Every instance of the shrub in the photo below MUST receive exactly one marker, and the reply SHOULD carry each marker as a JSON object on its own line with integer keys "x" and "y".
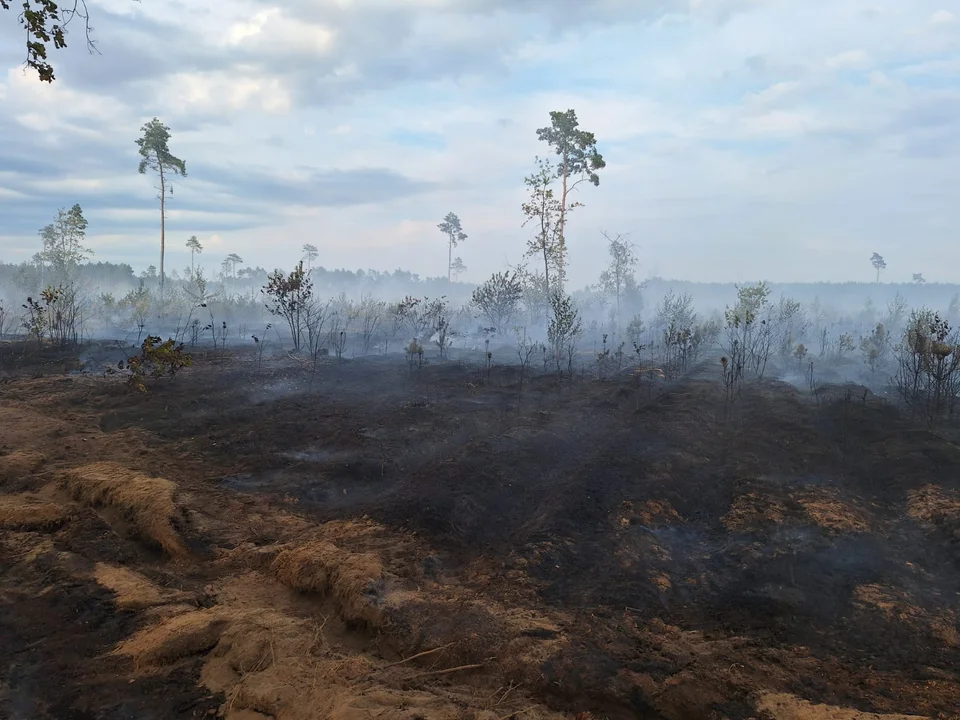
{"x": 158, "y": 358}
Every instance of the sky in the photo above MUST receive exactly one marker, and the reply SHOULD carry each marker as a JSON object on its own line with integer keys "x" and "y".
{"x": 744, "y": 139}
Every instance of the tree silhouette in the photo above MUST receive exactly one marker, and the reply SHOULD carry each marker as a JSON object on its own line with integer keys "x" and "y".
{"x": 155, "y": 155}
{"x": 455, "y": 235}
{"x": 310, "y": 253}
{"x": 195, "y": 248}
{"x": 878, "y": 263}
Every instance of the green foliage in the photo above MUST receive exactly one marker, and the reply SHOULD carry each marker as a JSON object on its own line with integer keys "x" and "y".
{"x": 158, "y": 358}
{"x": 310, "y": 253}
{"x": 878, "y": 263}
{"x": 618, "y": 278}
{"x": 54, "y": 315}
{"x": 155, "y": 155}
{"x": 675, "y": 310}
{"x": 896, "y": 311}
{"x": 63, "y": 314}
{"x": 751, "y": 299}
{"x": 545, "y": 210}
{"x": 45, "y": 22}
{"x": 63, "y": 249}
{"x": 578, "y": 162}
{"x": 414, "y": 353}
{"x": 564, "y": 330}
{"x": 874, "y": 347}
{"x": 750, "y": 335}
{"x": 457, "y": 268}
{"x": 928, "y": 373}
{"x": 195, "y": 249}
{"x": 34, "y": 320}
{"x": 137, "y": 302}
{"x": 636, "y": 330}
{"x": 452, "y": 228}
{"x": 576, "y": 148}
{"x": 498, "y": 299}
{"x": 154, "y": 148}
{"x": 288, "y": 296}
{"x": 799, "y": 353}
{"x": 845, "y": 345}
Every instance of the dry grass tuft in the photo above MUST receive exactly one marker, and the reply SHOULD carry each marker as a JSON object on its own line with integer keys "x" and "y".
{"x": 832, "y": 514}
{"x": 783, "y": 706}
{"x": 185, "y": 635}
{"x": 146, "y": 502}
{"x": 355, "y": 581}
{"x": 934, "y": 506}
{"x": 753, "y": 511}
{"x": 17, "y": 467}
{"x": 134, "y": 591}
{"x": 28, "y": 512}
{"x": 898, "y": 604}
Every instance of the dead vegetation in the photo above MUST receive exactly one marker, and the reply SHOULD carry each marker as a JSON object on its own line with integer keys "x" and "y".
{"x": 148, "y": 503}
{"x": 783, "y": 706}
{"x": 565, "y": 556}
{"x": 18, "y": 465}
{"x": 133, "y": 591}
{"x": 29, "y": 512}
{"x": 936, "y": 508}
{"x": 178, "y": 637}
{"x": 355, "y": 581}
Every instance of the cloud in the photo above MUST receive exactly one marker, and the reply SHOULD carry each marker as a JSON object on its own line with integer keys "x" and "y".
{"x": 942, "y": 17}
{"x": 848, "y": 59}
{"x": 742, "y": 136}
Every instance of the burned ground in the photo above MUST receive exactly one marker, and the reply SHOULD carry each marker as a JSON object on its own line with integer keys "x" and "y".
{"x": 576, "y": 549}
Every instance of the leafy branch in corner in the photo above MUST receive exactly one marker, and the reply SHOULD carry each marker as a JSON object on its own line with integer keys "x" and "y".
{"x": 45, "y": 22}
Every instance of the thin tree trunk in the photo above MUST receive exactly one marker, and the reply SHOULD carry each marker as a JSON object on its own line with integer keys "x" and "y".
{"x": 163, "y": 223}
{"x": 546, "y": 267}
{"x": 449, "y": 258}
{"x": 562, "y": 234}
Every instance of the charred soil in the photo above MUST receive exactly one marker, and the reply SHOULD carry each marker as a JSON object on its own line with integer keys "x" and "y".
{"x": 247, "y": 541}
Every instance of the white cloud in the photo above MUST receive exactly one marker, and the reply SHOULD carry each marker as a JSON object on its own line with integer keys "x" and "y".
{"x": 271, "y": 30}
{"x": 773, "y": 126}
{"x": 942, "y": 17}
{"x": 224, "y": 92}
{"x": 848, "y": 59}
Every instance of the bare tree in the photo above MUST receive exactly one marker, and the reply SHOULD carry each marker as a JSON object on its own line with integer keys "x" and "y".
{"x": 372, "y": 315}
{"x": 525, "y": 350}
{"x": 6, "y": 320}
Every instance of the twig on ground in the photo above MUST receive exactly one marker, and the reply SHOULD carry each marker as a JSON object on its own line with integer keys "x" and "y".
{"x": 418, "y": 655}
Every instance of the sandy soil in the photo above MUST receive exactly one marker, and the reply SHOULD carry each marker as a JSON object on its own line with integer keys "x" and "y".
{"x": 425, "y": 545}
